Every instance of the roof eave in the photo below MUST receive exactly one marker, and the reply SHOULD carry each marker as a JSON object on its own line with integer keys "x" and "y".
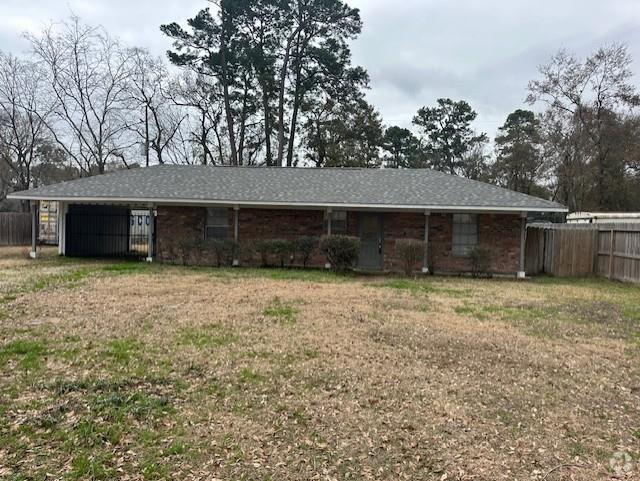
{"x": 258, "y": 204}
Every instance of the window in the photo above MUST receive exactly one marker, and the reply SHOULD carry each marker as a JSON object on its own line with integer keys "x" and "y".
{"x": 338, "y": 222}
{"x": 217, "y": 224}
{"x": 465, "y": 234}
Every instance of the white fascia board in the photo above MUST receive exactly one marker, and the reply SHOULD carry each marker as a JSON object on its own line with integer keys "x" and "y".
{"x": 299, "y": 205}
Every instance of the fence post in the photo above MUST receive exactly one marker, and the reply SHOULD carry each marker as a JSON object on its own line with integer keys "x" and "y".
{"x": 596, "y": 249}
{"x": 613, "y": 236}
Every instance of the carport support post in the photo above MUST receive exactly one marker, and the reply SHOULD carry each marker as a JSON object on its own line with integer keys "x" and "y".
{"x": 523, "y": 241}
{"x": 425, "y": 262}
{"x": 236, "y": 235}
{"x": 34, "y": 230}
{"x": 150, "y": 233}
{"x": 62, "y": 227}
{"x": 327, "y": 265}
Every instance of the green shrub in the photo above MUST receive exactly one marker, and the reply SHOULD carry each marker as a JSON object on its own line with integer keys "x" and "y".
{"x": 304, "y": 247}
{"x": 246, "y": 250}
{"x": 274, "y": 252}
{"x": 410, "y": 253}
{"x": 342, "y": 251}
{"x": 188, "y": 251}
{"x": 223, "y": 250}
{"x": 282, "y": 250}
{"x": 263, "y": 248}
{"x": 480, "y": 261}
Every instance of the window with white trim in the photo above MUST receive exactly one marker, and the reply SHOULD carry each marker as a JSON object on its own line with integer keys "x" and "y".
{"x": 465, "y": 234}
{"x": 338, "y": 222}
{"x": 217, "y": 226}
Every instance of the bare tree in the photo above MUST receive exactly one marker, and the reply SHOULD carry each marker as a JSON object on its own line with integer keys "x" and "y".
{"x": 23, "y": 112}
{"x": 160, "y": 118}
{"x": 89, "y": 76}
{"x": 590, "y": 94}
{"x": 204, "y": 114}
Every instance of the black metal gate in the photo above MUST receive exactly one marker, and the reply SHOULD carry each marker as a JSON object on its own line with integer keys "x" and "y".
{"x": 107, "y": 231}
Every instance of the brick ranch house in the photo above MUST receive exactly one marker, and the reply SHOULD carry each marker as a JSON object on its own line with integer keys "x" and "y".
{"x": 379, "y": 206}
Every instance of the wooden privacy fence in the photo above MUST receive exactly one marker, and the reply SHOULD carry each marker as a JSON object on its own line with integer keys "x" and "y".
{"x": 15, "y": 228}
{"x": 618, "y": 255}
{"x": 567, "y": 250}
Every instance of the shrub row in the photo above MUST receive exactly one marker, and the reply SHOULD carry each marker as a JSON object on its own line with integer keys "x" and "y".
{"x": 410, "y": 255}
{"x": 341, "y": 251}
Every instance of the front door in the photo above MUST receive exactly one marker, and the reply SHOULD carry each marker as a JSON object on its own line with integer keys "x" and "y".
{"x": 371, "y": 241}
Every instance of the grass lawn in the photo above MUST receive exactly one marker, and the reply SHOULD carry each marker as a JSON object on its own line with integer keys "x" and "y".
{"x": 135, "y": 371}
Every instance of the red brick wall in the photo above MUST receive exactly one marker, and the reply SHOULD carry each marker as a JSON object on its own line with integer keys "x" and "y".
{"x": 279, "y": 224}
{"x": 400, "y": 225}
{"x": 174, "y": 225}
{"x": 499, "y": 232}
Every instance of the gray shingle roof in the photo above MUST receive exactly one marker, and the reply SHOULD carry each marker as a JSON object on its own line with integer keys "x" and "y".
{"x": 383, "y": 188}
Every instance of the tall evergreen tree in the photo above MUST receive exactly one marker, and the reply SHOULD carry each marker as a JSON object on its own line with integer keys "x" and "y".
{"x": 269, "y": 58}
{"x": 447, "y": 134}
{"x": 520, "y": 163}
{"x": 402, "y": 149}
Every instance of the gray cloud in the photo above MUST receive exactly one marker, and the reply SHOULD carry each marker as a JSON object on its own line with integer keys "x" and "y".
{"x": 483, "y": 51}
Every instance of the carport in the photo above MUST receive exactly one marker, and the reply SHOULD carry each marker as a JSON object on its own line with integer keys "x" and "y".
{"x": 103, "y": 230}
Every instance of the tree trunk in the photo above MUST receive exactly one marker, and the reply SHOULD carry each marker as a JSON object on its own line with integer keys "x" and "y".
{"x": 297, "y": 98}
{"x": 225, "y": 87}
{"x": 283, "y": 84}
{"x": 146, "y": 134}
{"x": 267, "y": 124}
{"x": 243, "y": 123}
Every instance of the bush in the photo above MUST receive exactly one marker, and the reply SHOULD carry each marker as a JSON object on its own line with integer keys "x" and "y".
{"x": 224, "y": 250}
{"x": 246, "y": 250}
{"x": 263, "y": 248}
{"x": 410, "y": 253}
{"x": 342, "y": 251}
{"x": 480, "y": 261}
{"x": 283, "y": 251}
{"x": 270, "y": 249}
{"x": 304, "y": 247}
{"x": 188, "y": 251}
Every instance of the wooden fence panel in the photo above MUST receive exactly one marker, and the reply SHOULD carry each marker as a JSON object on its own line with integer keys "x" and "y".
{"x": 534, "y": 252}
{"x": 15, "y": 228}
{"x": 607, "y": 250}
{"x": 574, "y": 252}
{"x": 549, "y": 238}
{"x": 620, "y": 259}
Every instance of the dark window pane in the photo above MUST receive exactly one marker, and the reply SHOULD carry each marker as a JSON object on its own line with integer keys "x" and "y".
{"x": 217, "y": 223}
{"x": 338, "y": 222}
{"x": 217, "y": 232}
{"x": 465, "y": 234}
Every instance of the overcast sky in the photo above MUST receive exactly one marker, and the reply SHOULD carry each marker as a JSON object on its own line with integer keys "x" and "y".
{"x": 482, "y": 51}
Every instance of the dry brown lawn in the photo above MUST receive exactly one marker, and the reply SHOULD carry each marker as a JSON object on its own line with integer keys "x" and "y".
{"x": 130, "y": 371}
